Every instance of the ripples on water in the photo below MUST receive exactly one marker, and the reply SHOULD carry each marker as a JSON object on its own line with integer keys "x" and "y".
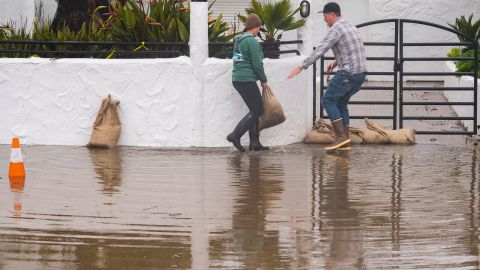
{"x": 388, "y": 207}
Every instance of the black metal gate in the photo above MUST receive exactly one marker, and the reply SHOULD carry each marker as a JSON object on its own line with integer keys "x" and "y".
{"x": 397, "y": 85}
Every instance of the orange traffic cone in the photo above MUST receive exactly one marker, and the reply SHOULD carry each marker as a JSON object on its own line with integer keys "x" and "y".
{"x": 16, "y": 161}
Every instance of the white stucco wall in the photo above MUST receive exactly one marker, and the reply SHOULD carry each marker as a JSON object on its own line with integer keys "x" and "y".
{"x": 163, "y": 101}
{"x": 461, "y": 96}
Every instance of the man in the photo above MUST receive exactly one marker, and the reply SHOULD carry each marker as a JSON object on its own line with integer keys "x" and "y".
{"x": 346, "y": 43}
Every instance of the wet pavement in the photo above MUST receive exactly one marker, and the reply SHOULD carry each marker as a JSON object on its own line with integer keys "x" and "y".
{"x": 294, "y": 207}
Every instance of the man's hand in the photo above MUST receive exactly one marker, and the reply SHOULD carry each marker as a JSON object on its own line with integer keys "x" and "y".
{"x": 295, "y": 72}
{"x": 330, "y": 68}
{"x": 264, "y": 85}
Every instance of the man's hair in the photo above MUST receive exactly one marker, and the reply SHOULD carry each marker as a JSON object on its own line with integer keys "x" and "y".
{"x": 332, "y": 7}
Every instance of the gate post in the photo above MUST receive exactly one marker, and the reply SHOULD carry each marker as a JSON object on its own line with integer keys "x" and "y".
{"x": 397, "y": 67}
{"x": 400, "y": 80}
{"x": 475, "y": 86}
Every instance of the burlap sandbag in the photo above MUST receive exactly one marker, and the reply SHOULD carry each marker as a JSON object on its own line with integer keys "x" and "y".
{"x": 354, "y": 135}
{"x": 374, "y": 133}
{"x": 368, "y": 136}
{"x": 399, "y": 136}
{"x": 272, "y": 110}
{"x": 322, "y": 132}
{"x": 106, "y": 129}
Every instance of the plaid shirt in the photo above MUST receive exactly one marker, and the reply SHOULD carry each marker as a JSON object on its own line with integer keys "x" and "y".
{"x": 347, "y": 45}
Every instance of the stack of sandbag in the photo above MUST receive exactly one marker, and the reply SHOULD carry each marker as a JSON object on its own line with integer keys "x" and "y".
{"x": 374, "y": 133}
{"x": 106, "y": 129}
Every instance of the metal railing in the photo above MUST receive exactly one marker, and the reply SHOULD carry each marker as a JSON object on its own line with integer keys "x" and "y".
{"x": 398, "y": 87}
{"x": 91, "y": 49}
{"x": 104, "y": 49}
{"x": 391, "y": 88}
{"x": 225, "y": 49}
{"x": 403, "y": 74}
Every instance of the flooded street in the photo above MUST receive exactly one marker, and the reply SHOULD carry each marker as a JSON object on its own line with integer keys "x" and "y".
{"x": 294, "y": 207}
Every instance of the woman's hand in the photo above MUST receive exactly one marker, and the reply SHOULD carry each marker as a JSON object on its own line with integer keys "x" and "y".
{"x": 264, "y": 85}
{"x": 295, "y": 72}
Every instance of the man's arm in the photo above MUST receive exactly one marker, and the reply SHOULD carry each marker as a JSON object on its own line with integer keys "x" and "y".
{"x": 333, "y": 35}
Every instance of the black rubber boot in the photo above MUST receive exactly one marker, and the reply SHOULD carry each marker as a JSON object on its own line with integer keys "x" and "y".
{"x": 242, "y": 127}
{"x": 254, "y": 135}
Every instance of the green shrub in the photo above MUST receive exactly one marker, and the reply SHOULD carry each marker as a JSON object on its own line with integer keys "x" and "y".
{"x": 468, "y": 28}
{"x": 156, "y": 21}
{"x": 472, "y": 31}
{"x": 464, "y": 66}
{"x": 9, "y": 32}
{"x": 277, "y": 18}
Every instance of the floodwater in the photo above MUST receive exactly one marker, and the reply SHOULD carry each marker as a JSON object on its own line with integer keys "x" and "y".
{"x": 294, "y": 207}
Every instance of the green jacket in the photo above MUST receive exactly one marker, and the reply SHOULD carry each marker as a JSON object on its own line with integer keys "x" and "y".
{"x": 247, "y": 59}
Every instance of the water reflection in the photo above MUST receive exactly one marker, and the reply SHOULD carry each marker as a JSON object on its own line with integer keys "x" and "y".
{"x": 17, "y": 186}
{"x": 373, "y": 208}
{"x": 339, "y": 220}
{"x": 108, "y": 166}
{"x": 259, "y": 184}
{"x": 396, "y": 201}
{"x": 475, "y": 207}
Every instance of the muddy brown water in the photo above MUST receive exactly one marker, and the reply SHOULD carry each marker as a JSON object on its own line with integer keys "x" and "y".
{"x": 294, "y": 207}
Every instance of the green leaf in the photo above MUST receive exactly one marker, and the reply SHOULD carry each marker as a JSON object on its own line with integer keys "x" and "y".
{"x": 129, "y": 18}
{"x": 277, "y": 17}
{"x": 183, "y": 31}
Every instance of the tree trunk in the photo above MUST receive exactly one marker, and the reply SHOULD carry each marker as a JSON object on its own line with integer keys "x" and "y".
{"x": 73, "y": 13}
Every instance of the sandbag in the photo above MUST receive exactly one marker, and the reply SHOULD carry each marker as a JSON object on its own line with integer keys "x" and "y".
{"x": 374, "y": 133}
{"x": 354, "y": 135}
{"x": 399, "y": 136}
{"x": 368, "y": 136}
{"x": 272, "y": 110}
{"x": 107, "y": 127}
{"x": 322, "y": 132}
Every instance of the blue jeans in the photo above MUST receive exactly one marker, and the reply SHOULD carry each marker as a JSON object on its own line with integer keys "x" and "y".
{"x": 339, "y": 91}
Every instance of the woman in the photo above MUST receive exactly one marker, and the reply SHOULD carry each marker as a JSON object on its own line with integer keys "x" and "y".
{"x": 247, "y": 69}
